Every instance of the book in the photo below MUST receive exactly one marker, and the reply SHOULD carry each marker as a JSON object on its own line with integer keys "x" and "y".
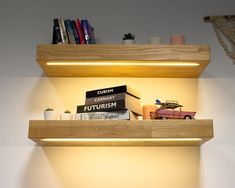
{"x": 116, "y": 115}
{"x": 113, "y": 90}
{"x": 111, "y": 106}
{"x": 80, "y": 31}
{"x": 75, "y": 32}
{"x": 113, "y": 97}
{"x": 88, "y": 32}
{"x": 56, "y": 39}
{"x": 69, "y": 30}
{"x": 63, "y": 31}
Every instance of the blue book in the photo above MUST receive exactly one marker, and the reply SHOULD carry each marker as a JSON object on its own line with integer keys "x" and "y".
{"x": 88, "y": 32}
{"x": 69, "y": 30}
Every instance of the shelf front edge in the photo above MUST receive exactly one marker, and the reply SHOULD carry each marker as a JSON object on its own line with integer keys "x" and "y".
{"x": 40, "y": 129}
{"x": 127, "y": 55}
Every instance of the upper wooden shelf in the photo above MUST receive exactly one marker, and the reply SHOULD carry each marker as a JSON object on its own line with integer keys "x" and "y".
{"x": 120, "y": 132}
{"x": 135, "y": 60}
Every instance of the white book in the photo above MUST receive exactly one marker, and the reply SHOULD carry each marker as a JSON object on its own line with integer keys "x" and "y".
{"x": 63, "y": 32}
{"x": 113, "y": 115}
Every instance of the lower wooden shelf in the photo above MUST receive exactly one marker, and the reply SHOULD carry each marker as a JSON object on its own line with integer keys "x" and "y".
{"x": 120, "y": 132}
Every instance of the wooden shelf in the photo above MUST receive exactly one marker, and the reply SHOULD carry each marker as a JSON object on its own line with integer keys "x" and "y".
{"x": 120, "y": 132}
{"x": 126, "y": 60}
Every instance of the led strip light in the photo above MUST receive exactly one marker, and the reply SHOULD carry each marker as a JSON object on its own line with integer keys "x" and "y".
{"x": 122, "y": 63}
{"x": 117, "y": 139}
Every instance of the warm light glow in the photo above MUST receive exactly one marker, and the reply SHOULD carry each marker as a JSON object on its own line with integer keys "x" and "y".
{"x": 122, "y": 63}
{"x": 118, "y": 139}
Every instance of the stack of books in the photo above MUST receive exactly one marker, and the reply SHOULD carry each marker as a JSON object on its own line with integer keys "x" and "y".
{"x": 120, "y": 102}
{"x": 72, "y": 32}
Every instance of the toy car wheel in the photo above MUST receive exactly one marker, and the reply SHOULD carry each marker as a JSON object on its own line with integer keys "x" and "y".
{"x": 187, "y": 117}
{"x": 164, "y": 118}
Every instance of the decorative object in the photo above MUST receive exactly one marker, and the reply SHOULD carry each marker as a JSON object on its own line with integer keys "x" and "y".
{"x": 66, "y": 115}
{"x": 147, "y": 109}
{"x": 224, "y": 28}
{"x": 50, "y": 114}
{"x": 128, "y": 38}
{"x": 155, "y": 40}
{"x": 164, "y": 113}
{"x": 177, "y": 39}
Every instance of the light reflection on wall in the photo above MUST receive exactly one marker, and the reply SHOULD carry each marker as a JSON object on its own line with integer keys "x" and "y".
{"x": 67, "y": 93}
{"x": 125, "y": 167}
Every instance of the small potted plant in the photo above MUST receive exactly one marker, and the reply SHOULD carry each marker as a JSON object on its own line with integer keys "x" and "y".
{"x": 128, "y": 38}
{"x": 50, "y": 114}
{"x": 66, "y": 115}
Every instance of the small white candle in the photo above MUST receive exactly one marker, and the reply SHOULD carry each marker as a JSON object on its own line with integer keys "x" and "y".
{"x": 155, "y": 40}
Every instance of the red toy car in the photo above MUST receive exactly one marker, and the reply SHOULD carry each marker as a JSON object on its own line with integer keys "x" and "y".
{"x": 172, "y": 114}
{"x": 167, "y": 111}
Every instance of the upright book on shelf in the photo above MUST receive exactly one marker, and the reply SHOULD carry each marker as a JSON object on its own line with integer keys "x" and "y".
{"x": 113, "y": 90}
{"x": 56, "y": 39}
{"x": 63, "y": 31}
{"x": 88, "y": 32}
{"x": 75, "y": 32}
{"x": 80, "y": 31}
{"x": 69, "y": 30}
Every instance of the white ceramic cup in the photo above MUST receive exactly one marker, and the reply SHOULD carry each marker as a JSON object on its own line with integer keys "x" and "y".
{"x": 50, "y": 115}
{"x": 66, "y": 116}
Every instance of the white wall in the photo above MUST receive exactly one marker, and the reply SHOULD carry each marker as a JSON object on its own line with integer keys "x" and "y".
{"x": 25, "y": 93}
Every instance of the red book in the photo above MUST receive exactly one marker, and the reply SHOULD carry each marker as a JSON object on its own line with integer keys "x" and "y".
{"x": 80, "y": 31}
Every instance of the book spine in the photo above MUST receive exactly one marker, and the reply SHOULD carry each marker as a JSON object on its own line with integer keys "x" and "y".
{"x": 106, "y": 98}
{"x": 80, "y": 31}
{"x": 106, "y": 91}
{"x": 54, "y": 38}
{"x": 75, "y": 32}
{"x": 102, "y": 107}
{"x": 117, "y": 115}
{"x": 88, "y": 32}
{"x": 69, "y": 30}
{"x": 63, "y": 31}
{"x": 56, "y": 33}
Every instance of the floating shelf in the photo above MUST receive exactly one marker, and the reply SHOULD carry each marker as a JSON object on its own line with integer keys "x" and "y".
{"x": 172, "y": 61}
{"x": 120, "y": 132}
